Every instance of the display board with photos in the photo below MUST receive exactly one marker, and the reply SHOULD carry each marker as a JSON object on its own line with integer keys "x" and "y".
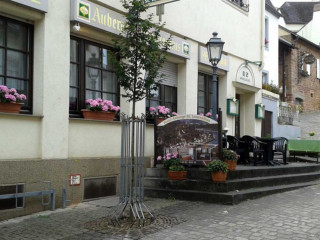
{"x": 194, "y": 138}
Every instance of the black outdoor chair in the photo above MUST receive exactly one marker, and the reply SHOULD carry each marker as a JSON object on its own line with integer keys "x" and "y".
{"x": 239, "y": 147}
{"x": 280, "y": 146}
{"x": 256, "y": 147}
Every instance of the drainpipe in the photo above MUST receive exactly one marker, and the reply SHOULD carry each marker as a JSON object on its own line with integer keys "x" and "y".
{"x": 284, "y": 75}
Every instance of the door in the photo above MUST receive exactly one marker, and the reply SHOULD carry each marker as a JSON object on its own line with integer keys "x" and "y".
{"x": 237, "y": 119}
{"x": 266, "y": 128}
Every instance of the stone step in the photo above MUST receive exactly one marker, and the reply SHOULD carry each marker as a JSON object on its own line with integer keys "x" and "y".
{"x": 231, "y": 185}
{"x": 241, "y": 171}
{"x": 233, "y": 197}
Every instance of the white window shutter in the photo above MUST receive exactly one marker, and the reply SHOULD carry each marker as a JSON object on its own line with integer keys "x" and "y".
{"x": 308, "y": 69}
{"x": 318, "y": 68}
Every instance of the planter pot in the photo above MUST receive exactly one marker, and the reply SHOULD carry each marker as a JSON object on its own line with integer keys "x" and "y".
{"x": 160, "y": 120}
{"x": 231, "y": 165}
{"x": 87, "y": 114}
{"x": 175, "y": 175}
{"x": 10, "y": 107}
{"x": 219, "y": 176}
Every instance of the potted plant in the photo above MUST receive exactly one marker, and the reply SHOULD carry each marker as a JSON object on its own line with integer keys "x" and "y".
{"x": 231, "y": 158}
{"x": 162, "y": 112}
{"x": 99, "y": 109}
{"x": 176, "y": 171}
{"x": 218, "y": 170}
{"x": 10, "y": 100}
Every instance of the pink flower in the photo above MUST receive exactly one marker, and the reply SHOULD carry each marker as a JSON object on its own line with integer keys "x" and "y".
{"x": 217, "y": 116}
{"x": 201, "y": 114}
{"x": 159, "y": 158}
{"x": 23, "y": 97}
{"x": 99, "y": 100}
{"x": 13, "y": 91}
{"x": 208, "y": 114}
{"x": 175, "y": 114}
{"x": 89, "y": 101}
{"x": 108, "y": 102}
{"x": 105, "y": 108}
{"x": 4, "y": 89}
{"x": 115, "y": 108}
{"x": 152, "y": 109}
{"x": 175, "y": 155}
{"x": 167, "y": 110}
{"x": 10, "y": 97}
{"x": 94, "y": 103}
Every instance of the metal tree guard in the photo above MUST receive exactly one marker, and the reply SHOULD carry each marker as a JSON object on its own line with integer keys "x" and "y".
{"x": 132, "y": 173}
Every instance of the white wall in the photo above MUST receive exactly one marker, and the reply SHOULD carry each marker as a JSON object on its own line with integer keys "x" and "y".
{"x": 271, "y": 54}
{"x": 312, "y": 31}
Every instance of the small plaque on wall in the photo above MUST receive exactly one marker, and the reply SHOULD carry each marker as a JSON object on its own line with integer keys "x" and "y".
{"x": 233, "y": 106}
{"x": 260, "y": 111}
{"x": 74, "y": 180}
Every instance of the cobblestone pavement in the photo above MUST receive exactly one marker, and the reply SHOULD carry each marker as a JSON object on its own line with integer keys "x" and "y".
{"x": 293, "y": 215}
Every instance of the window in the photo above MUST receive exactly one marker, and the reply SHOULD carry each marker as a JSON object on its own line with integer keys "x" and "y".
{"x": 92, "y": 74}
{"x": 265, "y": 78}
{"x": 16, "y": 57}
{"x": 266, "y": 33}
{"x": 205, "y": 93}
{"x": 11, "y": 203}
{"x": 164, "y": 96}
{"x": 244, "y": 4}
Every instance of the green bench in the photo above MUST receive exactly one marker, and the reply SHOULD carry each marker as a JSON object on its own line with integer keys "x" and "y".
{"x": 304, "y": 146}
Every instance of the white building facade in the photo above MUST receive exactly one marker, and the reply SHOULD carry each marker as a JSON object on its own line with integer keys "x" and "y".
{"x": 54, "y": 65}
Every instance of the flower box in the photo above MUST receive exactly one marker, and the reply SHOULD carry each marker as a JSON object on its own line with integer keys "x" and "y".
{"x": 88, "y": 114}
{"x": 177, "y": 175}
{"x": 10, "y": 107}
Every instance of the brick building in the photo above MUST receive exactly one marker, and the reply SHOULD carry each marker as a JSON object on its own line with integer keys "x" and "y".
{"x": 299, "y": 59}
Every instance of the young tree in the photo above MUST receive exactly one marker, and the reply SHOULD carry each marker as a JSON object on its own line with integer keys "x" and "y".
{"x": 140, "y": 53}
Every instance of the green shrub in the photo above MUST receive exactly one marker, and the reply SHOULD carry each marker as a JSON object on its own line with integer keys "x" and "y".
{"x": 218, "y": 166}
{"x": 177, "y": 168}
{"x": 271, "y": 88}
{"x": 230, "y": 155}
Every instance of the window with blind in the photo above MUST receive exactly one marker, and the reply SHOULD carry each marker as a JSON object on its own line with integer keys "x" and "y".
{"x": 204, "y": 93}
{"x": 163, "y": 96}
{"x": 16, "y": 45}
{"x": 92, "y": 74}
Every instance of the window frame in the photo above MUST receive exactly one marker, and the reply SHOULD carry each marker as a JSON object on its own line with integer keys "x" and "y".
{"x": 82, "y": 65}
{"x": 208, "y": 100}
{"x": 162, "y": 101}
{"x": 242, "y": 4}
{"x": 29, "y": 59}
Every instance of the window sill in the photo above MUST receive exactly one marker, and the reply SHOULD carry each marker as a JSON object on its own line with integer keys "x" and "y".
{"x": 243, "y": 10}
{"x": 93, "y": 120}
{"x": 21, "y": 115}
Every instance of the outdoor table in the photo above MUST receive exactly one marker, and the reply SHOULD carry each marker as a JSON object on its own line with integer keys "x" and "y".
{"x": 308, "y": 146}
{"x": 268, "y": 156}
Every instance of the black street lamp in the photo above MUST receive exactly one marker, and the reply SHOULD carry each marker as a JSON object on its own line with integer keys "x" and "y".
{"x": 215, "y": 46}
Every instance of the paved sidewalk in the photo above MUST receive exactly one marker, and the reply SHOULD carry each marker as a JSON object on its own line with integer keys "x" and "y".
{"x": 292, "y": 215}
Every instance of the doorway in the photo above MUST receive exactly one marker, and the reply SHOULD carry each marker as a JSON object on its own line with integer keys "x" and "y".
{"x": 237, "y": 119}
{"x": 266, "y": 128}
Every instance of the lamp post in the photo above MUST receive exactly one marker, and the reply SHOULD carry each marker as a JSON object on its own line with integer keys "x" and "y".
{"x": 214, "y": 46}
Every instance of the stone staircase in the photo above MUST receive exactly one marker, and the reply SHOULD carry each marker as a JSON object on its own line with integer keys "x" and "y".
{"x": 247, "y": 182}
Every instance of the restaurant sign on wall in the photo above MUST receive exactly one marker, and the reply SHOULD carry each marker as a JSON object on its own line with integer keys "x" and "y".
{"x": 105, "y": 19}
{"x": 40, "y": 5}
